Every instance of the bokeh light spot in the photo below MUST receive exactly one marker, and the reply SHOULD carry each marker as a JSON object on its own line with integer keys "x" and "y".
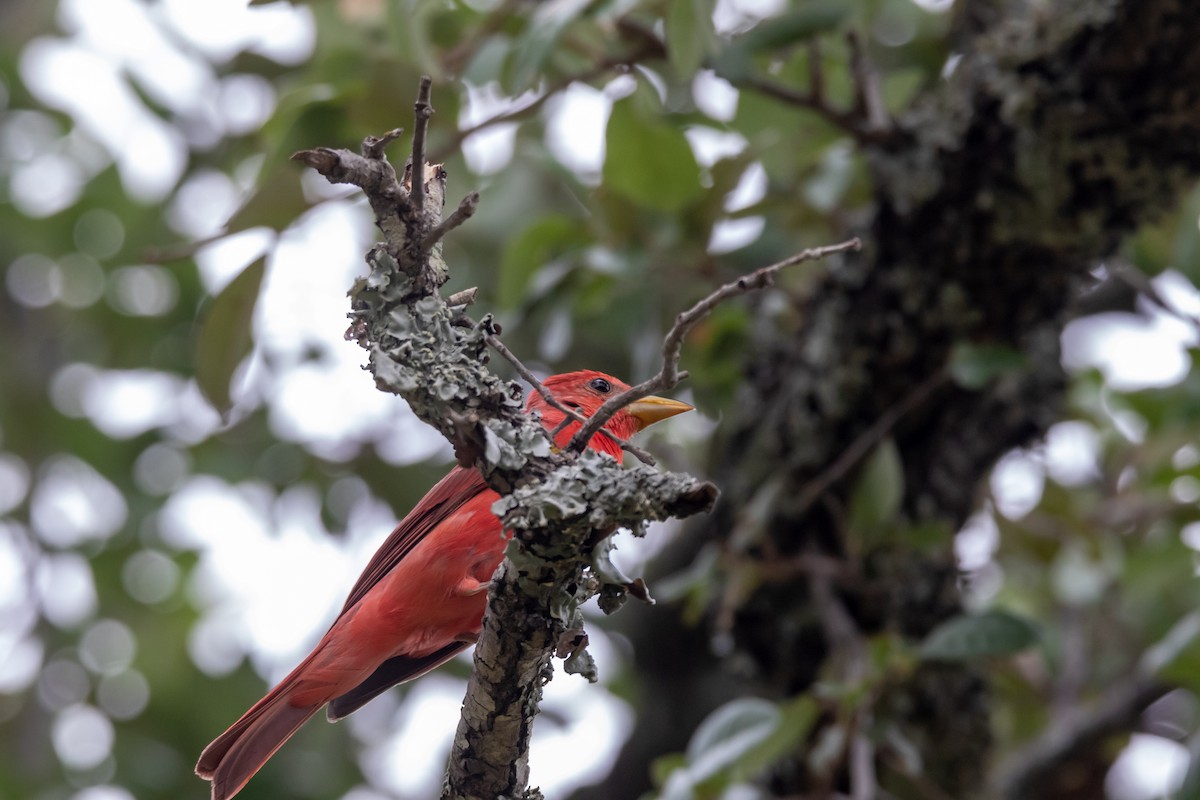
{"x": 99, "y": 233}
{"x": 66, "y": 588}
{"x": 20, "y": 661}
{"x": 72, "y": 503}
{"x": 33, "y": 280}
{"x": 82, "y": 737}
{"x": 142, "y": 291}
{"x": 123, "y": 696}
{"x": 160, "y": 468}
{"x": 63, "y": 683}
{"x": 107, "y": 647}
{"x": 14, "y": 484}
{"x": 150, "y": 576}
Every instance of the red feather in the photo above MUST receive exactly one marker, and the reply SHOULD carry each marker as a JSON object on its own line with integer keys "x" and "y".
{"x": 419, "y": 601}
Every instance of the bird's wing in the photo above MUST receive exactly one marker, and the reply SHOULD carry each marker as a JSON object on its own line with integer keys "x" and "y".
{"x": 446, "y": 497}
{"x": 391, "y": 672}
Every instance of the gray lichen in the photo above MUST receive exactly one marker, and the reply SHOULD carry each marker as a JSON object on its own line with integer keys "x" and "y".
{"x": 557, "y": 505}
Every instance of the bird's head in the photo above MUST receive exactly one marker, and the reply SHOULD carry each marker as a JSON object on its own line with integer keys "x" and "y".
{"x": 585, "y": 391}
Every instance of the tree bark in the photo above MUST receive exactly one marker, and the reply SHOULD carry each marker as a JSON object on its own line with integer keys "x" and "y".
{"x": 1062, "y": 127}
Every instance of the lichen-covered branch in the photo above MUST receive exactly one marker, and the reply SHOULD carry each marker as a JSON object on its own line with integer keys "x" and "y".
{"x": 669, "y": 374}
{"x": 558, "y": 505}
{"x": 1063, "y": 126}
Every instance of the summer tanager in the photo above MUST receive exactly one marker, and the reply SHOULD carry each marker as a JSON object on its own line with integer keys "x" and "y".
{"x": 419, "y": 601}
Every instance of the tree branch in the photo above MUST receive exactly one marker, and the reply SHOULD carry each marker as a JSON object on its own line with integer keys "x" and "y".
{"x": 556, "y": 505}
{"x": 1058, "y": 131}
{"x": 670, "y": 375}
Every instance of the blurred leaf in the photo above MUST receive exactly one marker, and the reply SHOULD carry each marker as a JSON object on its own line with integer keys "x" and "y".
{"x": 689, "y": 30}
{"x": 806, "y": 21}
{"x": 536, "y": 43}
{"x": 967, "y": 637}
{"x": 826, "y": 189}
{"x": 901, "y": 86}
{"x": 974, "y": 366}
{"x": 737, "y": 742}
{"x": 1170, "y": 242}
{"x": 224, "y": 336}
{"x": 543, "y": 240}
{"x": 647, "y": 161}
{"x": 730, "y": 732}
{"x": 796, "y": 720}
{"x": 1176, "y": 656}
{"x": 879, "y": 490}
{"x": 663, "y": 767}
{"x": 275, "y": 203}
{"x": 1187, "y": 241}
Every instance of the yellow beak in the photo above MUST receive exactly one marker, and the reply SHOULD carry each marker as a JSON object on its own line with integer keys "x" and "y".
{"x": 650, "y": 410}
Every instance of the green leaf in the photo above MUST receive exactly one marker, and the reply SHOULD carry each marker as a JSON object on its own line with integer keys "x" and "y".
{"x": 796, "y": 718}
{"x": 689, "y": 31}
{"x": 276, "y": 202}
{"x": 967, "y": 637}
{"x": 730, "y": 733}
{"x": 224, "y": 337}
{"x": 1187, "y": 241}
{"x": 810, "y": 19}
{"x": 879, "y": 491}
{"x": 536, "y": 43}
{"x": 543, "y": 240}
{"x": 973, "y": 366}
{"x": 647, "y": 161}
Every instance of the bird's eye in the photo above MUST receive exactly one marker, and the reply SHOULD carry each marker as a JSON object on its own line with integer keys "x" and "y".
{"x": 600, "y": 385}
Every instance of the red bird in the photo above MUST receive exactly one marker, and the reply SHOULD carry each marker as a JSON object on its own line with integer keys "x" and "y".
{"x": 419, "y": 601}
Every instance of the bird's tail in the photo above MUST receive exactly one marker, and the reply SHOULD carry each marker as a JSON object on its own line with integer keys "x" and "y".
{"x": 238, "y": 753}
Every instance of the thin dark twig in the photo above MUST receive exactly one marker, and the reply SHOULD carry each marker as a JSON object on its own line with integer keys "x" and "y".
{"x": 373, "y": 146}
{"x": 422, "y": 111}
{"x": 1137, "y": 280}
{"x": 571, "y": 415}
{"x": 816, "y": 72}
{"x": 670, "y": 374}
{"x": 512, "y": 115}
{"x": 880, "y": 428}
{"x": 469, "y": 46}
{"x": 868, "y": 88}
{"x": 811, "y": 100}
{"x": 466, "y": 210}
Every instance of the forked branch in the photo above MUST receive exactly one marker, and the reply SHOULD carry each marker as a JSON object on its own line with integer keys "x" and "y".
{"x": 426, "y": 349}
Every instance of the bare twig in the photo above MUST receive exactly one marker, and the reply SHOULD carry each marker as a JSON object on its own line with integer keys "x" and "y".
{"x": 373, "y": 146}
{"x": 813, "y": 100}
{"x": 863, "y": 783}
{"x": 816, "y": 72}
{"x": 669, "y": 375}
{"x": 447, "y": 385}
{"x": 571, "y": 415}
{"x": 422, "y": 111}
{"x": 466, "y": 209}
{"x": 527, "y": 374}
{"x": 867, "y": 121}
{"x": 1141, "y": 283}
{"x": 868, "y": 89}
{"x": 1070, "y": 735}
{"x": 463, "y": 298}
{"x": 456, "y": 58}
{"x": 529, "y": 108}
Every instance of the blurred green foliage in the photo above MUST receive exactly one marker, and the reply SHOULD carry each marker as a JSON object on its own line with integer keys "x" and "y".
{"x": 585, "y": 269}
